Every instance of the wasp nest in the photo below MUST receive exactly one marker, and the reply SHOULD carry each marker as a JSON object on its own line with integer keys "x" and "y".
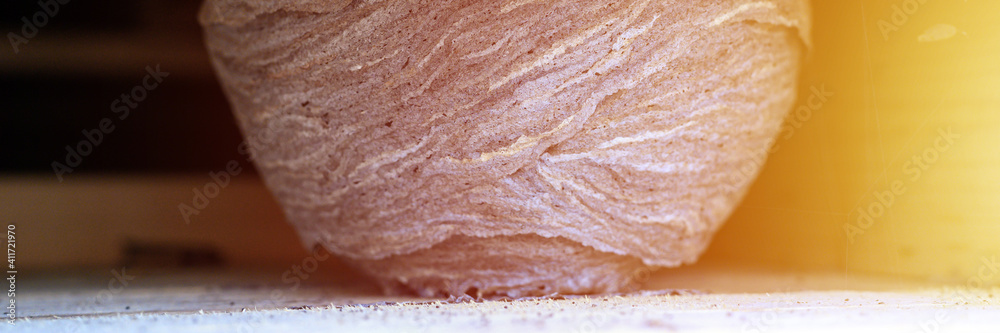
{"x": 510, "y": 148}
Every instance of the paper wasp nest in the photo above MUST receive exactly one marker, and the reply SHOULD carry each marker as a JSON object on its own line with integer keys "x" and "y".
{"x": 508, "y": 147}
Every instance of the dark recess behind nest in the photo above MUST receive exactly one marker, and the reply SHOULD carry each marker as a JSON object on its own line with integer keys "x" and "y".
{"x": 63, "y": 81}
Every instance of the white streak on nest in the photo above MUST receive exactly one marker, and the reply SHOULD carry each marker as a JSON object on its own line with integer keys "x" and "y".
{"x": 559, "y": 182}
{"x": 742, "y": 8}
{"x": 630, "y": 35}
{"x": 373, "y": 62}
{"x": 600, "y": 66}
{"x": 522, "y": 143}
{"x": 440, "y": 43}
{"x": 614, "y": 58}
{"x": 625, "y": 159}
{"x": 433, "y": 50}
{"x": 514, "y": 5}
{"x": 386, "y": 158}
{"x": 648, "y": 135}
{"x": 371, "y": 164}
{"x": 670, "y": 218}
{"x": 557, "y": 50}
{"x": 427, "y": 83}
{"x": 363, "y": 27}
{"x": 664, "y": 167}
{"x": 495, "y": 47}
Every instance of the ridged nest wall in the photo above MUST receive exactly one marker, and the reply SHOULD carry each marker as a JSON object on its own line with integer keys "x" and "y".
{"x": 509, "y": 148}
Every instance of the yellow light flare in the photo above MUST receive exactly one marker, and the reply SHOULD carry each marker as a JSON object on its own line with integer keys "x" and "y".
{"x": 899, "y": 171}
